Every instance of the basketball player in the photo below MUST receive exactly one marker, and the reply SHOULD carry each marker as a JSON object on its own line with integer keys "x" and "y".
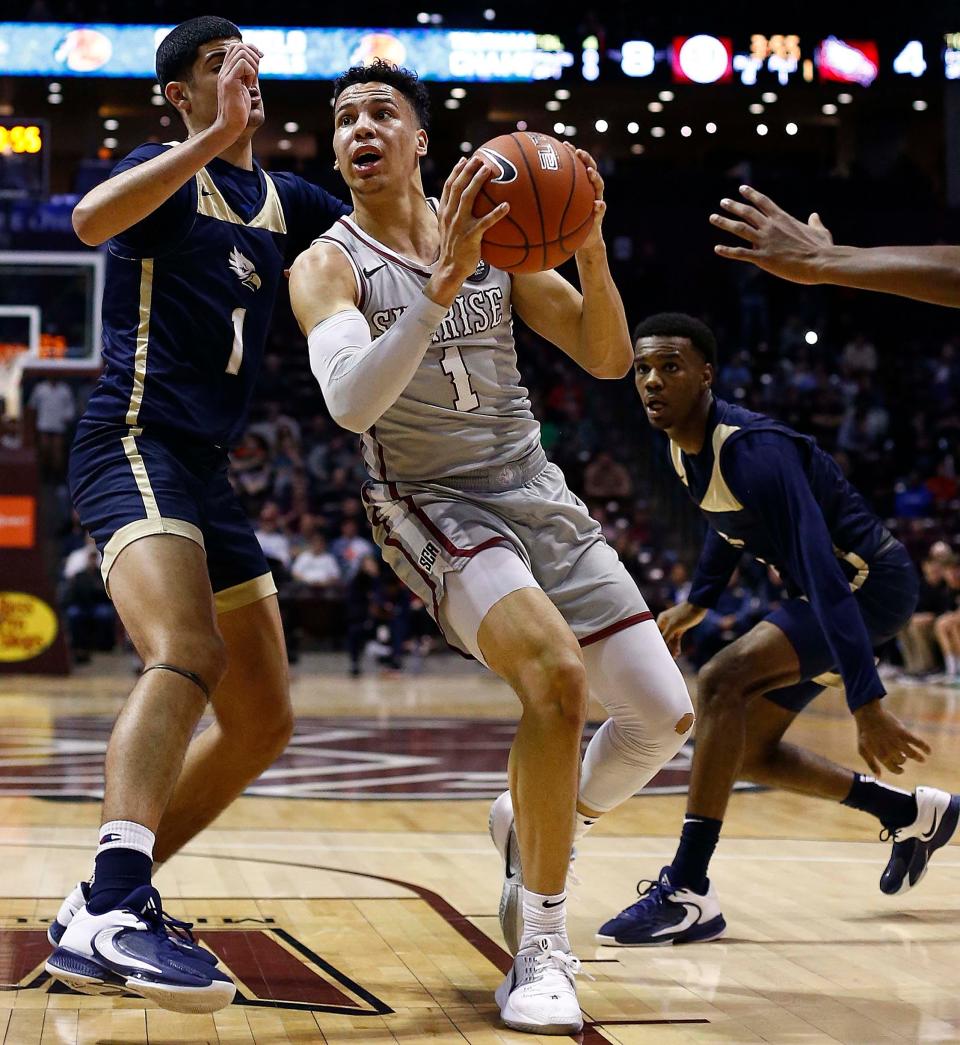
{"x": 805, "y": 253}
{"x": 198, "y": 238}
{"x": 410, "y": 339}
{"x": 765, "y": 489}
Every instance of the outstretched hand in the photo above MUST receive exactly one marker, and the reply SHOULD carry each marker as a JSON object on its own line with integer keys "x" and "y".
{"x": 884, "y": 741}
{"x": 778, "y": 242}
{"x": 676, "y": 621}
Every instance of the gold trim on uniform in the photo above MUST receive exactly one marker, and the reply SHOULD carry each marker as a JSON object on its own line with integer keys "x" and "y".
{"x": 245, "y": 593}
{"x": 211, "y": 204}
{"x": 143, "y": 340}
{"x": 144, "y": 528}
{"x": 719, "y": 497}
{"x": 858, "y": 563}
{"x": 139, "y": 470}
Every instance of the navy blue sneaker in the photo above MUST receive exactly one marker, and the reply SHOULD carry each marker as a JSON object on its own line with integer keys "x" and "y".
{"x": 938, "y": 813}
{"x": 665, "y": 914}
{"x": 130, "y": 948}
{"x": 77, "y": 900}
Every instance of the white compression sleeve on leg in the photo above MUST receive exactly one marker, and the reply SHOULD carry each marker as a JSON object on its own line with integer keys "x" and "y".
{"x": 633, "y": 675}
{"x": 362, "y": 378}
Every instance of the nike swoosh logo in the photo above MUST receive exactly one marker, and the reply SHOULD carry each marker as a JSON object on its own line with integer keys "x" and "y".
{"x": 376, "y": 268}
{"x": 691, "y": 917}
{"x": 104, "y": 947}
{"x": 203, "y": 192}
{"x": 546, "y": 903}
{"x": 927, "y": 836}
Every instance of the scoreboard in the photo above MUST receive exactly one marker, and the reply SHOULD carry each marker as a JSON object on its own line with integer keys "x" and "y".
{"x": 24, "y": 157}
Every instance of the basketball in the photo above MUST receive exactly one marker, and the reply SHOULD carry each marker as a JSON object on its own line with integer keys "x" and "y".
{"x": 551, "y": 202}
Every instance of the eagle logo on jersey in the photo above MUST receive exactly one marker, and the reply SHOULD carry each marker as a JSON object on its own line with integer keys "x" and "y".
{"x": 243, "y": 269}
{"x": 505, "y": 171}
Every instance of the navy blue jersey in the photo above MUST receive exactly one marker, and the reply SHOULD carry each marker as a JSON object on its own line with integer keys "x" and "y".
{"x": 768, "y": 490}
{"x": 189, "y": 295}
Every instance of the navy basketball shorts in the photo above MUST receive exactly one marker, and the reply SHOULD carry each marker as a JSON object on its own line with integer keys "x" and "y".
{"x": 126, "y": 484}
{"x": 886, "y": 597}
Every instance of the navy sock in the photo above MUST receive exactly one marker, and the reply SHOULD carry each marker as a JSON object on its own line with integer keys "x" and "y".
{"x": 697, "y": 842}
{"x": 117, "y": 872}
{"x": 891, "y": 806}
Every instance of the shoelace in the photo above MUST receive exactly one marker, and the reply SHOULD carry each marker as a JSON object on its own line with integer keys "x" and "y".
{"x": 166, "y": 925}
{"x": 569, "y": 962}
{"x": 887, "y": 833}
{"x": 648, "y": 888}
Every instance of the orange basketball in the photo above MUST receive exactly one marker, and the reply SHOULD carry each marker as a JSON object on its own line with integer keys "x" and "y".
{"x": 551, "y": 202}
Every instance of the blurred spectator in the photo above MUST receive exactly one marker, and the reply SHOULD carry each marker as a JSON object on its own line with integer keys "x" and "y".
{"x": 76, "y": 562}
{"x": 605, "y": 479}
{"x": 913, "y": 499}
{"x": 316, "y": 567}
{"x": 917, "y": 639}
{"x": 947, "y": 626}
{"x": 275, "y": 544}
{"x": 734, "y": 374}
{"x": 52, "y": 399}
{"x": 252, "y": 466}
{"x": 359, "y": 608}
{"x": 859, "y": 356}
{"x": 351, "y": 549}
{"x": 736, "y": 612}
{"x": 90, "y": 615}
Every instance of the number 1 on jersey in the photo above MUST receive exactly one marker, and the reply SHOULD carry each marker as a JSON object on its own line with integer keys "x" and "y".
{"x": 452, "y": 364}
{"x": 236, "y": 353}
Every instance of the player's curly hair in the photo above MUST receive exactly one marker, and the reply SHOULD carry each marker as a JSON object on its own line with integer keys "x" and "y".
{"x": 679, "y": 324}
{"x": 406, "y": 81}
{"x": 178, "y": 49}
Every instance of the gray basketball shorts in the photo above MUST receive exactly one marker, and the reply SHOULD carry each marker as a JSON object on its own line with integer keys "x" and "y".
{"x": 427, "y": 529}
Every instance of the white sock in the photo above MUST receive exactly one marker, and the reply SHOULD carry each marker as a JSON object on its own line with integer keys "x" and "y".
{"x": 582, "y": 825}
{"x": 125, "y": 834}
{"x": 953, "y": 663}
{"x": 544, "y": 915}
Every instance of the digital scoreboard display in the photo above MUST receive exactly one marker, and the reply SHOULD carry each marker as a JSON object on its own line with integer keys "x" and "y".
{"x": 24, "y": 157}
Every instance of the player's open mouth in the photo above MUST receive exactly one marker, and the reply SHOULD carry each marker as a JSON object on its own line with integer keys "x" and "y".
{"x": 366, "y": 159}
{"x": 654, "y": 406}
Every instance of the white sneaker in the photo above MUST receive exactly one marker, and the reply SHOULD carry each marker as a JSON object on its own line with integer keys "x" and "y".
{"x": 504, "y": 835}
{"x": 539, "y": 995}
{"x": 503, "y": 832}
{"x": 71, "y": 904}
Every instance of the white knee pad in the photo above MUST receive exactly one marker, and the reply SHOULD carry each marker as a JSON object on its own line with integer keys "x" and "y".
{"x": 633, "y": 675}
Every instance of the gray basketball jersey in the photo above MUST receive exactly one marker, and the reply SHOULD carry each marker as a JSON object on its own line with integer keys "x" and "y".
{"x": 465, "y": 408}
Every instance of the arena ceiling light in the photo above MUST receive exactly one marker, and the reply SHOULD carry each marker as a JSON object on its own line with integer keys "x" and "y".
{"x": 655, "y": 106}
{"x": 633, "y": 127}
{"x": 791, "y": 128}
{"x": 711, "y": 128}
{"x": 601, "y": 126}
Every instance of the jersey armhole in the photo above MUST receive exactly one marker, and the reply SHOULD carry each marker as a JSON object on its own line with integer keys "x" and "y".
{"x": 361, "y": 285}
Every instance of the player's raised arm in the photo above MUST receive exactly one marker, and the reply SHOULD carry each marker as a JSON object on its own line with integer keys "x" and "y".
{"x": 362, "y": 378}
{"x": 804, "y": 252}
{"x": 121, "y": 201}
{"x": 590, "y": 327}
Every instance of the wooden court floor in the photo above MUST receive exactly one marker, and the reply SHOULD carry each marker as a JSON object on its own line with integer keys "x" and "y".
{"x": 353, "y": 896}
